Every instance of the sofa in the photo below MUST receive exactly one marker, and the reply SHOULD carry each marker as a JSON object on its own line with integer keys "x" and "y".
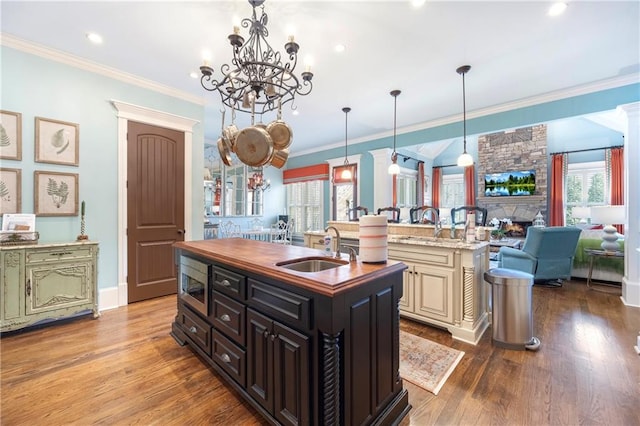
{"x": 604, "y": 269}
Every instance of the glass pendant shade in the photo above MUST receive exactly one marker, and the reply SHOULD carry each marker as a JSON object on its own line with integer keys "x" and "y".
{"x": 394, "y": 169}
{"x": 465, "y": 160}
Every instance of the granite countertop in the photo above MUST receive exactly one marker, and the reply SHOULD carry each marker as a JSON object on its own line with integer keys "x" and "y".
{"x": 263, "y": 259}
{"x": 415, "y": 240}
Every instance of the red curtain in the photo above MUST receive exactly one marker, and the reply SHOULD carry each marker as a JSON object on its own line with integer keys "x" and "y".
{"x": 304, "y": 174}
{"x": 556, "y": 191}
{"x": 435, "y": 186}
{"x": 617, "y": 180}
{"x": 470, "y": 185}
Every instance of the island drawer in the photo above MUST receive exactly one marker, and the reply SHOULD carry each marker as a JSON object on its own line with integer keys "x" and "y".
{"x": 229, "y": 317}
{"x": 230, "y": 357}
{"x": 290, "y": 307}
{"x": 195, "y": 328}
{"x": 229, "y": 283}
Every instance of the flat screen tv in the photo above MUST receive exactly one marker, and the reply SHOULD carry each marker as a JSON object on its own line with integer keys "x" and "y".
{"x": 521, "y": 182}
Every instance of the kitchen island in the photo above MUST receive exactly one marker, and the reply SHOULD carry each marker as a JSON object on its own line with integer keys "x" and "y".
{"x": 443, "y": 284}
{"x": 301, "y": 347}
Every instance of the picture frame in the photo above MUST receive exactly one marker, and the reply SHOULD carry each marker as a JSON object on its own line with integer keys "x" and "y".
{"x": 10, "y": 135}
{"x": 55, "y": 193}
{"x": 57, "y": 142}
{"x": 10, "y": 190}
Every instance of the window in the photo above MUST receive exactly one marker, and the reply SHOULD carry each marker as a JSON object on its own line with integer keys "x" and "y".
{"x": 452, "y": 194}
{"x": 304, "y": 201}
{"x": 407, "y": 188}
{"x": 345, "y": 192}
{"x": 585, "y": 187}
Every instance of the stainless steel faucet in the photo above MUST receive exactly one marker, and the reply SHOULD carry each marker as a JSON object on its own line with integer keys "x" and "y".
{"x": 436, "y": 216}
{"x": 338, "y": 242}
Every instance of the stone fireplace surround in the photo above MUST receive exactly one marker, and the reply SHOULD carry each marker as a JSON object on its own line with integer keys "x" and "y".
{"x": 520, "y": 149}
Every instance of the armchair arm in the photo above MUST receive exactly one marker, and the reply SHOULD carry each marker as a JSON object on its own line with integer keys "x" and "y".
{"x": 511, "y": 258}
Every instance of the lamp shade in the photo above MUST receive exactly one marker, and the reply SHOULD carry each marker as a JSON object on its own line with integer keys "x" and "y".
{"x": 608, "y": 215}
{"x": 465, "y": 160}
{"x": 581, "y": 212}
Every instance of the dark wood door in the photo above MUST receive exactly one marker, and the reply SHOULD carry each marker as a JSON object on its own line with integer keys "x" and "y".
{"x": 155, "y": 209}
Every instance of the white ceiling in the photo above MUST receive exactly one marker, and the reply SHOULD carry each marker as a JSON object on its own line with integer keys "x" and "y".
{"x": 515, "y": 49}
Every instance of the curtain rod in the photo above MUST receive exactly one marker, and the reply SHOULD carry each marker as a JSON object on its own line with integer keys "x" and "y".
{"x": 587, "y": 149}
{"x": 445, "y": 165}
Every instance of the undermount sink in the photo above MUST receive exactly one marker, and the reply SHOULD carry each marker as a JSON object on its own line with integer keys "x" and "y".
{"x": 312, "y": 264}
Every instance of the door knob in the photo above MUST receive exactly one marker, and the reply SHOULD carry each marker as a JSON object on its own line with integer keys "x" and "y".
{"x": 181, "y": 231}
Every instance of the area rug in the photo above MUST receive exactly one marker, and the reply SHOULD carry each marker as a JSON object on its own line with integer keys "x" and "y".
{"x": 425, "y": 363}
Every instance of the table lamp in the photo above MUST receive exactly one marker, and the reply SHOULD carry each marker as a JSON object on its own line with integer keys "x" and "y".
{"x": 608, "y": 216}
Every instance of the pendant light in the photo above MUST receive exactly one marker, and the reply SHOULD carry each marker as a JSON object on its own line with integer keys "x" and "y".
{"x": 465, "y": 159}
{"x": 346, "y": 172}
{"x": 394, "y": 169}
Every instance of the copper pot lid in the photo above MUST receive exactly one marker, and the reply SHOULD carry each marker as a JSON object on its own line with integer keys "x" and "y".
{"x": 254, "y": 146}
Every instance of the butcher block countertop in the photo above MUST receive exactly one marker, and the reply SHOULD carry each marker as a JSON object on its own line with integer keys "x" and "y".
{"x": 261, "y": 257}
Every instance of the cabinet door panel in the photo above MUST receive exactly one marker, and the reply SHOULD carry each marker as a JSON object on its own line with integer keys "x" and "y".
{"x": 51, "y": 287}
{"x": 259, "y": 359}
{"x": 406, "y": 302}
{"x": 291, "y": 375}
{"x": 434, "y": 292}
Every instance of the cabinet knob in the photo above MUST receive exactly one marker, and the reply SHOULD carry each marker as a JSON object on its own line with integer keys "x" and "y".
{"x": 225, "y": 318}
{"x": 193, "y": 329}
{"x": 273, "y": 336}
{"x": 29, "y": 287}
{"x": 266, "y": 334}
{"x": 226, "y": 358}
{"x": 226, "y": 283}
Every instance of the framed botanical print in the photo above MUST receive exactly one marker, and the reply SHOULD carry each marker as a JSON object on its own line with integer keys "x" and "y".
{"x": 57, "y": 142}
{"x": 10, "y": 135}
{"x": 56, "y": 194}
{"x": 10, "y": 190}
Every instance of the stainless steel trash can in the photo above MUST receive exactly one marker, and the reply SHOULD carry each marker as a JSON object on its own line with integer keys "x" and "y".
{"x": 511, "y": 315}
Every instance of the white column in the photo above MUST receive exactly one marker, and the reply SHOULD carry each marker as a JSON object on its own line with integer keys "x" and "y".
{"x": 630, "y": 114}
{"x": 382, "y": 192}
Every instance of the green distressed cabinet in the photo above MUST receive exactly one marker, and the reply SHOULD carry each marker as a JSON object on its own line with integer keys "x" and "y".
{"x": 47, "y": 282}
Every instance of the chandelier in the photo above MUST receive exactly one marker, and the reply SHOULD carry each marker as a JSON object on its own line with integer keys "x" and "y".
{"x": 257, "y": 75}
{"x": 257, "y": 182}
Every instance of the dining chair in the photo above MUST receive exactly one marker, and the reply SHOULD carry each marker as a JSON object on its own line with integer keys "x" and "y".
{"x": 459, "y": 215}
{"x": 353, "y": 213}
{"x": 395, "y": 214}
{"x": 281, "y": 232}
{"x": 424, "y": 214}
{"x": 229, "y": 229}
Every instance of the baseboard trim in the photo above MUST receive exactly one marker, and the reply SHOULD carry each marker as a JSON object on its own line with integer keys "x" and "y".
{"x": 107, "y": 298}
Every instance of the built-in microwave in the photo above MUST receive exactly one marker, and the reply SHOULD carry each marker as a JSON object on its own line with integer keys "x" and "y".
{"x": 194, "y": 283}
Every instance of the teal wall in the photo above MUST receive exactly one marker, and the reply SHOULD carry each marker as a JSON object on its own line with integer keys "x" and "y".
{"x": 37, "y": 87}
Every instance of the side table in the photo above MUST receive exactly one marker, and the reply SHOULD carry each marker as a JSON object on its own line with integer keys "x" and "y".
{"x": 593, "y": 253}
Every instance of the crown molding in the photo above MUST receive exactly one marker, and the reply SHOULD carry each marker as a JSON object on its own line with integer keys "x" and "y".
{"x": 94, "y": 67}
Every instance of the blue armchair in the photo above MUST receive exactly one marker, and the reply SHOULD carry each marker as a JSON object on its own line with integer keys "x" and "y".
{"x": 547, "y": 253}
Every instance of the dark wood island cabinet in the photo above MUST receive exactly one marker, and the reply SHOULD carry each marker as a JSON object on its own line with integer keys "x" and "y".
{"x": 312, "y": 348}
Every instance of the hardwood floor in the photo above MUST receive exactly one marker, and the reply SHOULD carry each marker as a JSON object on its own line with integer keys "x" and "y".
{"x": 125, "y": 368}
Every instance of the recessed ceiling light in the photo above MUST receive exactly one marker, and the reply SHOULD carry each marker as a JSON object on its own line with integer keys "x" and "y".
{"x": 295, "y": 112}
{"x": 418, "y": 3}
{"x": 193, "y": 74}
{"x": 94, "y": 38}
{"x": 557, "y": 9}
{"x": 340, "y": 48}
